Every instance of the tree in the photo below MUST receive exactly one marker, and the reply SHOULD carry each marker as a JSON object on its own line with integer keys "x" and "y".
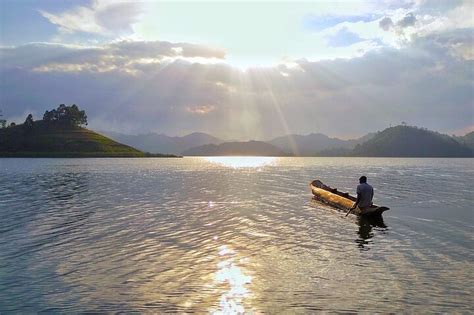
{"x": 49, "y": 115}
{"x": 3, "y": 122}
{"x": 61, "y": 112}
{"x": 28, "y": 124}
{"x": 74, "y": 116}
{"x": 68, "y": 115}
{"x": 29, "y": 120}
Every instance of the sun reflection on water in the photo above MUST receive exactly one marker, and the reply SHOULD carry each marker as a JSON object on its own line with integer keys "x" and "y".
{"x": 233, "y": 276}
{"x": 242, "y": 161}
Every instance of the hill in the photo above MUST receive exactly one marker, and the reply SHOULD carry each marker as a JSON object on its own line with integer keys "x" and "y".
{"x": 58, "y": 140}
{"x": 255, "y": 148}
{"x": 315, "y": 144}
{"x": 467, "y": 139}
{"x": 408, "y": 141}
{"x": 153, "y": 142}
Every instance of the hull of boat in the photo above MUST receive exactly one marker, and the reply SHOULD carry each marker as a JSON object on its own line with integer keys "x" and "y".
{"x": 341, "y": 200}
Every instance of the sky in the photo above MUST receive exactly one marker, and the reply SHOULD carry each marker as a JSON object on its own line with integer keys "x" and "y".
{"x": 243, "y": 69}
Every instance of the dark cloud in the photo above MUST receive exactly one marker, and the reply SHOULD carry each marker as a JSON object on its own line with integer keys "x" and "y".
{"x": 408, "y": 20}
{"x": 386, "y": 23}
{"x": 424, "y": 84}
{"x": 459, "y": 42}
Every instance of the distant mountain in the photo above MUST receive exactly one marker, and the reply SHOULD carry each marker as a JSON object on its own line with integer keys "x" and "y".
{"x": 255, "y": 148}
{"x": 408, "y": 141}
{"x": 43, "y": 139}
{"x": 316, "y": 143}
{"x": 399, "y": 141}
{"x": 154, "y": 142}
{"x": 467, "y": 139}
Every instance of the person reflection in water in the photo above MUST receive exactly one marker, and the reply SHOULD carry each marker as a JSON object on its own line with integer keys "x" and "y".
{"x": 365, "y": 194}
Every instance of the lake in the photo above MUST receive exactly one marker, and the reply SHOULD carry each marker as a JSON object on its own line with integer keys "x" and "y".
{"x": 229, "y": 235}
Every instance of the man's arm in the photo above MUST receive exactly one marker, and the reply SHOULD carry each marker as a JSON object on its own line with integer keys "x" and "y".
{"x": 356, "y": 202}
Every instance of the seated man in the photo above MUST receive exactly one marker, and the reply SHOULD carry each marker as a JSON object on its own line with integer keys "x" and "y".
{"x": 365, "y": 193}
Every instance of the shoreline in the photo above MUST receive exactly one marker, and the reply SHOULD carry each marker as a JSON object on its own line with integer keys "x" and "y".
{"x": 82, "y": 155}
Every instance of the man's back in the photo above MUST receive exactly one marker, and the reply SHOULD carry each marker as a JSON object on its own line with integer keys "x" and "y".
{"x": 366, "y": 194}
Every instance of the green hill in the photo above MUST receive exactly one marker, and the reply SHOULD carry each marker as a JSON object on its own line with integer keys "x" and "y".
{"x": 58, "y": 140}
{"x": 407, "y": 141}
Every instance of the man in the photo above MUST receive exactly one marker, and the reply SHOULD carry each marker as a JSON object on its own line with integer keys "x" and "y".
{"x": 365, "y": 193}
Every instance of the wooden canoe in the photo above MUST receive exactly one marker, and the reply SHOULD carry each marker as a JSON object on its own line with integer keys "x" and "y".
{"x": 341, "y": 200}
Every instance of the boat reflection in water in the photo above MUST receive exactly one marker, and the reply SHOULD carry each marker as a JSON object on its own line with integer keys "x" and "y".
{"x": 366, "y": 225}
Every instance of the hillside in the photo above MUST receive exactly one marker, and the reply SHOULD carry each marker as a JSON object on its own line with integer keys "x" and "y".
{"x": 315, "y": 144}
{"x": 153, "y": 142}
{"x": 407, "y": 141}
{"x": 467, "y": 139}
{"x": 255, "y": 148}
{"x": 58, "y": 140}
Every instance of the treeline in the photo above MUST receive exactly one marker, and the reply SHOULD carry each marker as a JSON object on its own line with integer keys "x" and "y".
{"x": 62, "y": 115}
{"x": 70, "y": 115}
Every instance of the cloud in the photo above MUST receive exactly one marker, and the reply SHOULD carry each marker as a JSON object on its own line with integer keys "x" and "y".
{"x": 407, "y": 62}
{"x": 318, "y": 23}
{"x": 408, "y": 20}
{"x": 386, "y": 23}
{"x": 102, "y": 17}
{"x": 201, "y": 109}
{"x": 152, "y": 86}
{"x": 125, "y": 56}
{"x": 458, "y": 42}
{"x": 343, "y": 38}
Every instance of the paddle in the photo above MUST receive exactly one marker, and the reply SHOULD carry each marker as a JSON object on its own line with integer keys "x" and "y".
{"x": 350, "y": 210}
{"x": 354, "y": 206}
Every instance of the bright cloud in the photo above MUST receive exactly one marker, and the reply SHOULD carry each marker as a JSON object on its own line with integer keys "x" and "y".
{"x": 201, "y": 109}
{"x": 104, "y": 17}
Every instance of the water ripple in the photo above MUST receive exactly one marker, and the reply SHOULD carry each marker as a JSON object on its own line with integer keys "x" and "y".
{"x": 220, "y": 236}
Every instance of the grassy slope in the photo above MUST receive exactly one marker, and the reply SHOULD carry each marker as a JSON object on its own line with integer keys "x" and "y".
{"x": 45, "y": 140}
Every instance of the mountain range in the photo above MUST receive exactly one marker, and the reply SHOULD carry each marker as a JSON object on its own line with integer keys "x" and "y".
{"x": 315, "y": 143}
{"x": 301, "y": 145}
{"x": 400, "y": 141}
{"x": 153, "y": 142}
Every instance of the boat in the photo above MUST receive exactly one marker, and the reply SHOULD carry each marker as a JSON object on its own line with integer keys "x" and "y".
{"x": 341, "y": 200}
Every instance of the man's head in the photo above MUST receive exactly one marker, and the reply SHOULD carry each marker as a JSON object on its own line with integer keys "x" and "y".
{"x": 363, "y": 179}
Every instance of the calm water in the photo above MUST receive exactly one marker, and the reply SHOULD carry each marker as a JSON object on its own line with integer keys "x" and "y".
{"x": 229, "y": 235}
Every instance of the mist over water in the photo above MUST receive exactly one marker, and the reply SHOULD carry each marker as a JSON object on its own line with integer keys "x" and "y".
{"x": 229, "y": 235}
